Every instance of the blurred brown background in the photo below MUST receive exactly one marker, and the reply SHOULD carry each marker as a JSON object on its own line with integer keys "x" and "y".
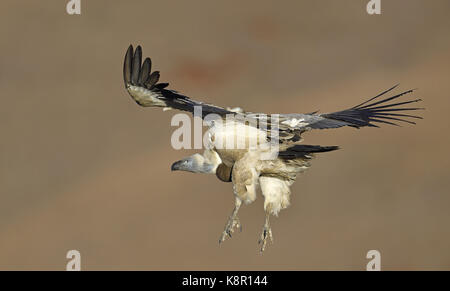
{"x": 83, "y": 167}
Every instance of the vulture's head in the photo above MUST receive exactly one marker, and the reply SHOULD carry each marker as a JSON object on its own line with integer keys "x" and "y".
{"x": 195, "y": 164}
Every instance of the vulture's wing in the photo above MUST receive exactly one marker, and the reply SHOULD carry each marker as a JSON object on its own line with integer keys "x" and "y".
{"x": 375, "y": 110}
{"x": 143, "y": 86}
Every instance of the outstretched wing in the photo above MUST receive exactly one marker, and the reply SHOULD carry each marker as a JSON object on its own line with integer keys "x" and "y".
{"x": 143, "y": 87}
{"x": 375, "y": 110}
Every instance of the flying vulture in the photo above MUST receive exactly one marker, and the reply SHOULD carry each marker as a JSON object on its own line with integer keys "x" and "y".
{"x": 276, "y": 158}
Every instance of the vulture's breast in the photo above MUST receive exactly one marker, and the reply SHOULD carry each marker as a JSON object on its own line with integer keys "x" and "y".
{"x": 233, "y": 139}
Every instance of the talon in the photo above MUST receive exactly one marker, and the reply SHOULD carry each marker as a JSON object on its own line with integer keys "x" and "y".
{"x": 267, "y": 232}
{"x": 237, "y": 224}
{"x": 229, "y": 228}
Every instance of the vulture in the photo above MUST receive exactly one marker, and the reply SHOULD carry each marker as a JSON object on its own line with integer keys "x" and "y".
{"x": 270, "y": 156}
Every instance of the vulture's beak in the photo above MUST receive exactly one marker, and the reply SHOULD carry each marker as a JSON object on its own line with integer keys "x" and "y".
{"x": 177, "y": 165}
{"x": 186, "y": 164}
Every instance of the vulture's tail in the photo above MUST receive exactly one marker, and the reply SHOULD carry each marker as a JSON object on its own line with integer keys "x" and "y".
{"x": 304, "y": 151}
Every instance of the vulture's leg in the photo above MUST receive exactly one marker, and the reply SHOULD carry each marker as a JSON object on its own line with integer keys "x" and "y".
{"x": 266, "y": 233}
{"x": 276, "y": 197}
{"x": 233, "y": 221}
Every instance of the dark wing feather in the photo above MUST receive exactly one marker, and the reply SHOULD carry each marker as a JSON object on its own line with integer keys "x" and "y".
{"x": 367, "y": 113}
{"x": 143, "y": 86}
{"x": 136, "y": 66}
{"x": 127, "y": 65}
{"x": 145, "y": 72}
{"x": 304, "y": 151}
{"x": 153, "y": 79}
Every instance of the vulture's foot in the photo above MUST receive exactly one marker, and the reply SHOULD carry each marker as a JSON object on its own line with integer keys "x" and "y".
{"x": 266, "y": 233}
{"x": 233, "y": 222}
